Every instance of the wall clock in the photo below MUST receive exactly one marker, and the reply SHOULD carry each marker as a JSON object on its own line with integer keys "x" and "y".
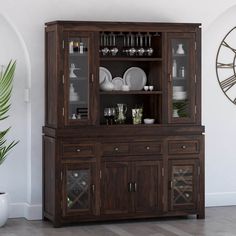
{"x": 225, "y": 65}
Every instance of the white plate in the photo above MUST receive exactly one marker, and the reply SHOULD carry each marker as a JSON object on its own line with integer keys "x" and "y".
{"x": 118, "y": 82}
{"x": 104, "y": 74}
{"x": 135, "y": 77}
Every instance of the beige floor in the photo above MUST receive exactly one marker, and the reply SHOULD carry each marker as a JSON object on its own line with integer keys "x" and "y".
{"x": 220, "y": 221}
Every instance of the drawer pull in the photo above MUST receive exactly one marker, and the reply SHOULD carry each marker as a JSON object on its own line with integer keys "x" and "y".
{"x": 129, "y": 187}
{"x": 116, "y": 149}
{"x": 78, "y": 150}
{"x": 147, "y": 147}
{"x": 184, "y": 147}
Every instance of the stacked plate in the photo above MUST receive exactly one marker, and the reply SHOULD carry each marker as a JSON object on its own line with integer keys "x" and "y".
{"x": 133, "y": 79}
{"x": 179, "y": 93}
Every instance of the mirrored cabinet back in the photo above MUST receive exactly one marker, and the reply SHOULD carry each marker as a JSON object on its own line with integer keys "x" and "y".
{"x": 123, "y": 137}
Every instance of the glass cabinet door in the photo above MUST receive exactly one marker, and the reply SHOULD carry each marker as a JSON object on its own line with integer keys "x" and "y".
{"x": 182, "y": 78}
{"x": 79, "y": 189}
{"x": 183, "y": 185}
{"x": 78, "y": 79}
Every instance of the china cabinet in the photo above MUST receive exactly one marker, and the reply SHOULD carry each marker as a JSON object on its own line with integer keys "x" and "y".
{"x": 123, "y": 137}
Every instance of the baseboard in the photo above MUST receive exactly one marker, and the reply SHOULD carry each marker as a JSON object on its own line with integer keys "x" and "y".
{"x": 30, "y": 212}
{"x": 34, "y": 212}
{"x": 220, "y": 199}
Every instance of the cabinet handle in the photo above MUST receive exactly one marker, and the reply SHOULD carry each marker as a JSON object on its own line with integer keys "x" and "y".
{"x": 130, "y": 187}
{"x": 93, "y": 188}
{"x": 170, "y": 77}
{"x": 92, "y": 78}
{"x": 78, "y": 150}
{"x": 116, "y": 149}
{"x": 184, "y": 147}
{"x": 135, "y": 187}
{"x": 147, "y": 147}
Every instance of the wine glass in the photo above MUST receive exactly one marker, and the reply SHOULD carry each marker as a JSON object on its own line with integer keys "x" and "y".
{"x": 140, "y": 50}
{"x": 150, "y": 49}
{"x": 105, "y": 50}
{"x": 114, "y": 50}
{"x": 109, "y": 114}
{"x": 132, "y": 50}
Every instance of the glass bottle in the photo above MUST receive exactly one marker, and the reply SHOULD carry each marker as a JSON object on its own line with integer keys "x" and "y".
{"x": 174, "y": 69}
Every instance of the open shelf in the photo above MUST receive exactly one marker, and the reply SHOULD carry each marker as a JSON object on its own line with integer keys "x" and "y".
{"x": 132, "y": 92}
{"x": 109, "y": 58}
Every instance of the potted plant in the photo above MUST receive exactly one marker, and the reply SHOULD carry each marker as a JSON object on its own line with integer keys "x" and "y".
{"x": 179, "y": 109}
{"x": 6, "y": 79}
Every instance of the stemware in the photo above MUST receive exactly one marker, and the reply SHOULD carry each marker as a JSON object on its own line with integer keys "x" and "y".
{"x": 141, "y": 50}
{"x": 150, "y": 49}
{"x": 109, "y": 114}
{"x": 132, "y": 50}
{"x": 114, "y": 50}
{"x": 105, "y": 50}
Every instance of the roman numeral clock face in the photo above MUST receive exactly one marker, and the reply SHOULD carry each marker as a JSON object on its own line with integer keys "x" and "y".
{"x": 225, "y": 65}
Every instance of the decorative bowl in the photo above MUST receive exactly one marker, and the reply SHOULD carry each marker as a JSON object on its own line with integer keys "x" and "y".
{"x": 148, "y": 121}
{"x": 107, "y": 86}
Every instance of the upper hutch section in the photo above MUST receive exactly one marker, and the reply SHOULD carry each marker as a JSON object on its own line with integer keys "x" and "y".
{"x": 116, "y": 73}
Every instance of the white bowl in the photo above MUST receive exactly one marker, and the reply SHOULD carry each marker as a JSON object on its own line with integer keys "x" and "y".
{"x": 125, "y": 87}
{"x": 148, "y": 121}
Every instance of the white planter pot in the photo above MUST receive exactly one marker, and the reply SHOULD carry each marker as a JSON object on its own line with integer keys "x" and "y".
{"x": 3, "y": 208}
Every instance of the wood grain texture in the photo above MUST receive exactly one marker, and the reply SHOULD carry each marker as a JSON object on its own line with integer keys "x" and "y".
{"x": 130, "y": 167}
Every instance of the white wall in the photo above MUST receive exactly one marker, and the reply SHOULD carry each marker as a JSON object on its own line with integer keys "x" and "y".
{"x": 23, "y": 168}
{"x": 13, "y": 173}
{"x": 219, "y": 117}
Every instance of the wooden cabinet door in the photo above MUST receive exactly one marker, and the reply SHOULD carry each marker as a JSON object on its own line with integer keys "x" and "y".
{"x": 78, "y": 79}
{"x": 182, "y": 107}
{"x": 78, "y": 189}
{"x": 147, "y": 181}
{"x": 183, "y": 184}
{"x": 116, "y": 188}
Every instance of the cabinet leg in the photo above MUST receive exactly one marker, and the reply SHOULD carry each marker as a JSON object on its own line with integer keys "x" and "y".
{"x": 201, "y": 215}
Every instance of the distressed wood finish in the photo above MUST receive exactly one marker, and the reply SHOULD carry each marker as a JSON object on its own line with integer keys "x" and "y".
{"x": 126, "y": 171}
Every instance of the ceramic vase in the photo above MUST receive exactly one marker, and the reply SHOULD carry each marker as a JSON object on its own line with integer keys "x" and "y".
{"x": 175, "y": 113}
{"x": 3, "y": 208}
{"x": 180, "y": 49}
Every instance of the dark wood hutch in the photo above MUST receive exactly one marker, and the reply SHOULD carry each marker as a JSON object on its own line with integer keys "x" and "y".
{"x": 94, "y": 171}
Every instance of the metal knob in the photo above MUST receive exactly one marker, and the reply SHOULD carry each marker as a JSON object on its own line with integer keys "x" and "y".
{"x": 78, "y": 150}
{"x": 184, "y": 147}
{"x": 129, "y": 187}
{"x": 116, "y": 149}
{"x": 147, "y": 147}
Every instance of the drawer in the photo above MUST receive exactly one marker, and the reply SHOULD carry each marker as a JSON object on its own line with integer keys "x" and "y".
{"x": 115, "y": 149}
{"x": 140, "y": 148}
{"x": 183, "y": 147}
{"x": 78, "y": 150}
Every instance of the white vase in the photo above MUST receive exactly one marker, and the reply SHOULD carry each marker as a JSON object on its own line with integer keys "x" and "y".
{"x": 175, "y": 113}
{"x": 3, "y": 208}
{"x": 174, "y": 69}
{"x": 180, "y": 49}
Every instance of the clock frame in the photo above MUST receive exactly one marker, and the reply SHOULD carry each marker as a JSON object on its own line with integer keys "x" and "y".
{"x": 225, "y": 65}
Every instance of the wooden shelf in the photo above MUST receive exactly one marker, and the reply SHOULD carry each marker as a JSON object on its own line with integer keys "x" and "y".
{"x": 130, "y": 58}
{"x": 77, "y": 54}
{"x": 78, "y": 78}
{"x": 77, "y": 103}
{"x": 179, "y": 55}
{"x": 132, "y": 92}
